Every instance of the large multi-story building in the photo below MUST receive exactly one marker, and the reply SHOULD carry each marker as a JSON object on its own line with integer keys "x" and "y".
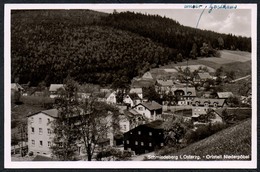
{"x": 40, "y": 132}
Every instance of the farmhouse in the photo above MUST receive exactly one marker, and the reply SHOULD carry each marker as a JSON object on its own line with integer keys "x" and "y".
{"x": 150, "y": 110}
{"x": 39, "y": 131}
{"x": 144, "y": 138}
{"x": 54, "y": 89}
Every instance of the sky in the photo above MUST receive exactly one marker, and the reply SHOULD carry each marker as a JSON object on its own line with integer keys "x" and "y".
{"x": 236, "y": 21}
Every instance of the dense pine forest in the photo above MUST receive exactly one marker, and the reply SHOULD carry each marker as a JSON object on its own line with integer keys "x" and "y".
{"x": 99, "y": 48}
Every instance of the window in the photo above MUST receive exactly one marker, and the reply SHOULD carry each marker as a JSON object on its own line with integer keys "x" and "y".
{"x": 40, "y": 131}
{"x": 127, "y": 142}
{"x": 40, "y": 120}
{"x": 33, "y": 142}
{"x": 49, "y": 131}
{"x": 48, "y": 120}
{"x": 41, "y": 143}
{"x": 32, "y": 119}
{"x": 150, "y": 133}
{"x": 140, "y": 108}
{"x": 160, "y": 133}
{"x": 136, "y": 142}
{"x": 142, "y": 143}
{"x": 150, "y": 144}
{"x": 32, "y": 130}
{"x": 161, "y": 144}
{"x": 131, "y": 133}
{"x": 124, "y": 127}
{"x": 49, "y": 143}
{"x": 139, "y": 132}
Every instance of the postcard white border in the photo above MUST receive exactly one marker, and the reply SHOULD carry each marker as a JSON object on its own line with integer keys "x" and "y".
{"x": 122, "y": 164}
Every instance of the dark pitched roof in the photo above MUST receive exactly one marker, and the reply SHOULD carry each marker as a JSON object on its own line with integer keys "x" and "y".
{"x": 201, "y": 101}
{"x": 134, "y": 96}
{"x": 151, "y": 105}
{"x": 50, "y": 112}
{"x": 43, "y": 158}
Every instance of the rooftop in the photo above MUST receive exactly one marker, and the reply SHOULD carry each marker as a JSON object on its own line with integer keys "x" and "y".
{"x": 55, "y": 87}
{"x": 224, "y": 94}
{"x": 151, "y": 105}
{"x": 164, "y": 82}
{"x": 201, "y": 101}
{"x": 204, "y": 75}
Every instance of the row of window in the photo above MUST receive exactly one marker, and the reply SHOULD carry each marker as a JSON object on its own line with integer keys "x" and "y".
{"x": 41, "y": 143}
{"x": 41, "y": 131}
{"x": 40, "y": 120}
{"x": 141, "y": 143}
{"x": 150, "y": 133}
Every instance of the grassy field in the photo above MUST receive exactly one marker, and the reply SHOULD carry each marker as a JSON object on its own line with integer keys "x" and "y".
{"x": 237, "y": 61}
{"x": 235, "y": 140}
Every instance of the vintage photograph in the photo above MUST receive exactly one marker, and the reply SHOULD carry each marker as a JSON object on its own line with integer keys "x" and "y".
{"x": 126, "y": 83}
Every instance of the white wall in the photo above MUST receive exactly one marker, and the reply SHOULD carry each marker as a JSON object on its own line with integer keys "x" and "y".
{"x": 33, "y": 121}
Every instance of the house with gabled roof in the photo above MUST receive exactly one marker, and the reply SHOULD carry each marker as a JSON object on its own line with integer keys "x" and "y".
{"x": 147, "y": 75}
{"x": 54, "y": 89}
{"x": 145, "y": 138}
{"x": 111, "y": 97}
{"x": 151, "y": 110}
{"x": 132, "y": 99}
{"x": 40, "y": 132}
{"x": 185, "y": 95}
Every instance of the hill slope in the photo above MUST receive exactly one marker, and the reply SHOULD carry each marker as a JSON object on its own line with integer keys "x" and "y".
{"x": 51, "y": 45}
{"x": 235, "y": 140}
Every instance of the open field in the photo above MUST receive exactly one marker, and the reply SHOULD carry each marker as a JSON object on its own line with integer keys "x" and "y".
{"x": 235, "y": 140}
{"x": 228, "y": 56}
{"x": 237, "y": 61}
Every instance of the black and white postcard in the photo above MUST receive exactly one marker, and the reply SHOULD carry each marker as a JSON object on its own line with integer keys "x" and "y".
{"x": 130, "y": 85}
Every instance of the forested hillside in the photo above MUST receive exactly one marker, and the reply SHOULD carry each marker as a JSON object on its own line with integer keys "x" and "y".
{"x": 49, "y": 48}
{"x": 94, "y": 47}
{"x": 174, "y": 35}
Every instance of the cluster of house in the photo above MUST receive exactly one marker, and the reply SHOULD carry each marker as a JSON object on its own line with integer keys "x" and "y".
{"x": 140, "y": 122}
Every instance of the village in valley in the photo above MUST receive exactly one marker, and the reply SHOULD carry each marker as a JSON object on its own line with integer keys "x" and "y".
{"x": 176, "y": 108}
{"x": 141, "y": 119}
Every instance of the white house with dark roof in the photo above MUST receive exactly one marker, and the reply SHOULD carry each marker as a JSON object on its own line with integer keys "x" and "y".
{"x": 150, "y": 110}
{"x": 132, "y": 99}
{"x": 54, "y": 89}
{"x": 40, "y": 132}
{"x": 185, "y": 95}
